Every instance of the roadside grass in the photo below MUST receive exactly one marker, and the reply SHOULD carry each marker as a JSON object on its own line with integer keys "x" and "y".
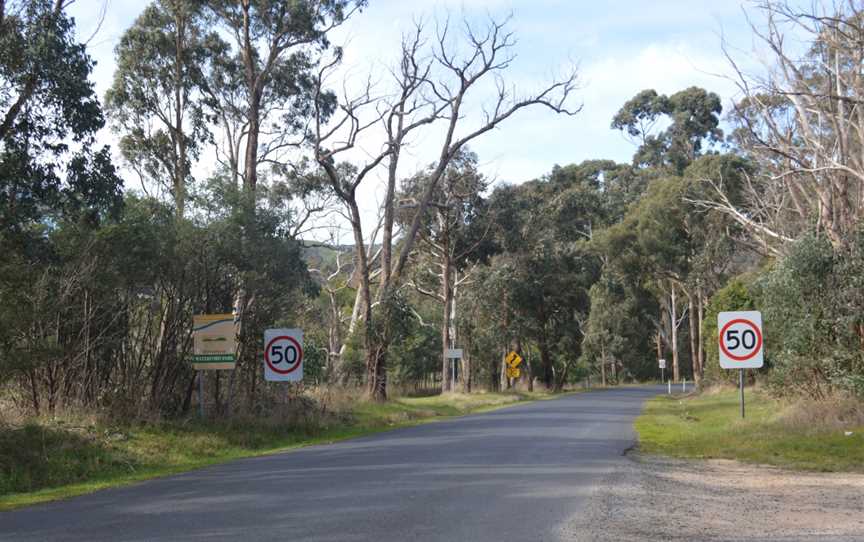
{"x": 708, "y": 426}
{"x": 47, "y": 459}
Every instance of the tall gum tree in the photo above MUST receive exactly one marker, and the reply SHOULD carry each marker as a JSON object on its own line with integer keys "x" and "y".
{"x": 454, "y": 236}
{"x": 277, "y": 46}
{"x": 155, "y": 101}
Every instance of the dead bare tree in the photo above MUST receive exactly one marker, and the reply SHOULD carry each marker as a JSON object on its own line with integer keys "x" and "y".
{"x": 803, "y": 123}
{"x": 432, "y": 85}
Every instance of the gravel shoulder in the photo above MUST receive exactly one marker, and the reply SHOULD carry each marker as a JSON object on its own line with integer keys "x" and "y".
{"x": 653, "y": 498}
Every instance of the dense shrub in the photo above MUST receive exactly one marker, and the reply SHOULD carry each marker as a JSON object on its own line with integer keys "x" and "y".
{"x": 812, "y": 307}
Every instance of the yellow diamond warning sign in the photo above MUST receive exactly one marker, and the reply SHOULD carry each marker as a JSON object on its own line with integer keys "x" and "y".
{"x": 513, "y": 359}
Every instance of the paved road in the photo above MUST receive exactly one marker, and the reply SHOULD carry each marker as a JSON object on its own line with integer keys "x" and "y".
{"x": 514, "y": 474}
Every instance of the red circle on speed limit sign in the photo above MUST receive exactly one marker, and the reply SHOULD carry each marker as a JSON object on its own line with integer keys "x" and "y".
{"x": 279, "y": 347}
{"x": 756, "y": 344}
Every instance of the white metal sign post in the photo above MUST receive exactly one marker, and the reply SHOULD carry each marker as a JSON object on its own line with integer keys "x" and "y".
{"x": 283, "y": 355}
{"x": 453, "y": 354}
{"x": 741, "y": 344}
{"x": 662, "y": 364}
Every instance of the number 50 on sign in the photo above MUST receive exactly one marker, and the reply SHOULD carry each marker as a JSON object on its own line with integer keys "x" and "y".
{"x": 283, "y": 355}
{"x": 740, "y": 339}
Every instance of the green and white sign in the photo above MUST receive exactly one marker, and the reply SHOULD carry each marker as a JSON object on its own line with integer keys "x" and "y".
{"x": 214, "y": 339}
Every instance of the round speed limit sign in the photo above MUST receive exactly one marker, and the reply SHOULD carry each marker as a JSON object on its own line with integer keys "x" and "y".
{"x": 283, "y": 355}
{"x": 740, "y": 339}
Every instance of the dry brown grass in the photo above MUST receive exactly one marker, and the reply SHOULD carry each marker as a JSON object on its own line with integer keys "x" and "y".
{"x": 836, "y": 412}
{"x": 716, "y": 389}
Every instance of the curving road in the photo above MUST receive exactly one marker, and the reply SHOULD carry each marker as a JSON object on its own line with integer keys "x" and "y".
{"x": 514, "y": 474}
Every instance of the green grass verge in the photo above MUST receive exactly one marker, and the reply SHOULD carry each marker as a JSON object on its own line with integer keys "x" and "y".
{"x": 709, "y": 426}
{"x": 52, "y": 459}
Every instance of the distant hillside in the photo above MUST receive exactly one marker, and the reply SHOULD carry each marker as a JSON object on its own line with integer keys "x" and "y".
{"x": 324, "y": 256}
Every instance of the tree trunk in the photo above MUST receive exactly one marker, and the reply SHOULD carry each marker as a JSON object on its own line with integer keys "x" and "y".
{"x": 375, "y": 350}
{"x": 495, "y": 383}
{"x": 389, "y": 213}
{"x": 546, "y": 362}
{"x": 614, "y": 364}
{"x": 676, "y": 374}
{"x": 187, "y": 397}
{"x": 253, "y": 115}
{"x": 250, "y": 164}
{"x": 179, "y": 104}
{"x": 603, "y": 365}
{"x": 34, "y": 391}
{"x": 700, "y": 347}
{"x": 467, "y": 376}
{"x": 376, "y": 370}
{"x": 446, "y": 340}
{"x": 505, "y": 381}
{"x": 694, "y": 340}
{"x": 334, "y": 334}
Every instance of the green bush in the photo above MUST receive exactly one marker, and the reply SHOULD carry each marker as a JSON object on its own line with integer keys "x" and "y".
{"x": 812, "y": 306}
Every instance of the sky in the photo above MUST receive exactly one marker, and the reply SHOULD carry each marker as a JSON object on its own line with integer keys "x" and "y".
{"x": 620, "y": 46}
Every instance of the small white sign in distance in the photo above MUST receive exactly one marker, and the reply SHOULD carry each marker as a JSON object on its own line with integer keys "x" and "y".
{"x": 454, "y": 353}
{"x": 283, "y": 355}
{"x": 740, "y": 339}
{"x": 662, "y": 363}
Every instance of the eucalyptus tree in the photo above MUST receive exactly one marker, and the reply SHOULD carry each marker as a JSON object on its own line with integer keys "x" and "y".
{"x": 693, "y": 118}
{"x": 651, "y": 245}
{"x": 49, "y": 116}
{"x": 427, "y": 96}
{"x": 541, "y": 228}
{"x": 660, "y": 234}
{"x": 453, "y": 238}
{"x": 156, "y": 100}
{"x": 668, "y": 244}
{"x": 276, "y": 48}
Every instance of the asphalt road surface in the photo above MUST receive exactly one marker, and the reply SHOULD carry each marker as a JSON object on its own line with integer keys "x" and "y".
{"x": 514, "y": 474}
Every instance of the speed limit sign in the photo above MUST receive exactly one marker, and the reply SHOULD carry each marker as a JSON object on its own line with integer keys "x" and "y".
{"x": 740, "y": 336}
{"x": 283, "y": 355}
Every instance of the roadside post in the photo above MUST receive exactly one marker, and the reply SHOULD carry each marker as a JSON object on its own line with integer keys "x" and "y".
{"x": 741, "y": 344}
{"x": 662, "y": 364}
{"x": 453, "y": 354}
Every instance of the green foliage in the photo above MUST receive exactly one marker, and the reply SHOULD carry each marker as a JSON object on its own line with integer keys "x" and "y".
{"x": 812, "y": 310}
{"x": 122, "y": 296}
{"x": 50, "y": 118}
{"x": 616, "y": 330}
{"x": 417, "y": 355}
{"x": 693, "y": 116}
{"x": 157, "y": 98}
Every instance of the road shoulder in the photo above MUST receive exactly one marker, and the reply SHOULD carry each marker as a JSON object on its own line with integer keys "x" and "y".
{"x": 659, "y": 498}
